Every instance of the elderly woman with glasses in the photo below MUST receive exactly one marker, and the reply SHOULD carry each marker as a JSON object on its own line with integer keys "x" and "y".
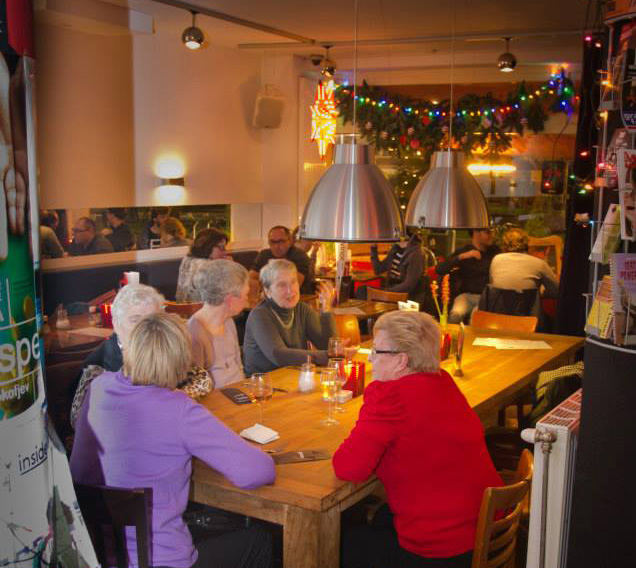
{"x": 418, "y": 434}
{"x": 137, "y": 430}
{"x": 223, "y": 286}
{"x": 279, "y": 328}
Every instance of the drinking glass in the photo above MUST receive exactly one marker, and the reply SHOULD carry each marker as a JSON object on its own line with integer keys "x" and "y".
{"x": 340, "y": 378}
{"x": 336, "y": 348}
{"x": 260, "y": 390}
{"x": 329, "y": 391}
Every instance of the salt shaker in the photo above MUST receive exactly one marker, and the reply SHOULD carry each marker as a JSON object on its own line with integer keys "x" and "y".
{"x": 61, "y": 318}
{"x": 306, "y": 381}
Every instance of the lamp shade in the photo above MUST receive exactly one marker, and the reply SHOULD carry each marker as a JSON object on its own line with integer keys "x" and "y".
{"x": 352, "y": 201}
{"x": 447, "y": 197}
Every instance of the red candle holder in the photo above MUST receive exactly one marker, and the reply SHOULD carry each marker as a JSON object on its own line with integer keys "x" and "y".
{"x": 355, "y": 381}
{"x": 445, "y": 346}
{"x": 105, "y": 311}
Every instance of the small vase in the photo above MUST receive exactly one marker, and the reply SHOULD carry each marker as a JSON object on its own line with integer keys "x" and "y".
{"x": 443, "y": 321}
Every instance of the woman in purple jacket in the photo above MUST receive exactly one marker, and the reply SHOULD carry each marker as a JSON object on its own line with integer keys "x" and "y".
{"x": 135, "y": 430}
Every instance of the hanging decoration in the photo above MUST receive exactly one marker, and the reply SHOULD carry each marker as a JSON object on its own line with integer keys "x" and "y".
{"x": 412, "y": 129}
{"x": 323, "y": 117}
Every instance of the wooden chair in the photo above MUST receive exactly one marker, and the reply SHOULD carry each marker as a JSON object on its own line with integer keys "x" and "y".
{"x": 496, "y": 540}
{"x": 110, "y": 508}
{"x": 377, "y": 295}
{"x": 183, "y": 309}
{"x": 549, "y": 249}
{"x": 69, "y": 355}
{"x": 348, "y": 327}
{"x": 57, "y": 382}
{"x": 489, "y": 320}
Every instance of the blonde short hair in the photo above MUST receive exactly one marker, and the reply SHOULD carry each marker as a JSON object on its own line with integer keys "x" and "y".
{"x": 159, "y": 352}
{"x": 414, "y": 333}
{"x": 270, "y": 271}
{"x": 214, "y": 280}
{"x": 515, "y": 240}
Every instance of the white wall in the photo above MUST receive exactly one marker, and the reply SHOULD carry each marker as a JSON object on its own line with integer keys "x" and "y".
{"x": 84, "y": 118}
{"x": 198, "y": 105}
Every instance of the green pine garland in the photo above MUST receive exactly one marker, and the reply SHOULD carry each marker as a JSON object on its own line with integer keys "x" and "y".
{"x": 410, "y": 130}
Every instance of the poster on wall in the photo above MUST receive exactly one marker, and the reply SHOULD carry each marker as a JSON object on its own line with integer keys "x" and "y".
{"x": 35, "y": 481}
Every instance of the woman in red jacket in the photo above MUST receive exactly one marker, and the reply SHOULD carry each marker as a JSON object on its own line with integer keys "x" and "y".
{"x": 418, "y": 434}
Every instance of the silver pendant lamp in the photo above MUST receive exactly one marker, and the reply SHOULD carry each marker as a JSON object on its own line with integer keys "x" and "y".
{"x": 352, "y": 201}
{"x": 448, "y": 196}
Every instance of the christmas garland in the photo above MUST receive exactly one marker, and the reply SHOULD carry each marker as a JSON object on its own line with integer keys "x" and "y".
{"x": 412, "y": 129}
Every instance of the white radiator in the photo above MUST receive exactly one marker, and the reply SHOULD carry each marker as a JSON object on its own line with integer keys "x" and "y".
{"x": 550, "y": 502}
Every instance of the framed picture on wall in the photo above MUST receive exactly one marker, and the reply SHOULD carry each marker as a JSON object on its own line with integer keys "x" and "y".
{"x": 627, "y": 199}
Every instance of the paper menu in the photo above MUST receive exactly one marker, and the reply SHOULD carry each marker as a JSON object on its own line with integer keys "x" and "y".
{"x": 501, "y": 343}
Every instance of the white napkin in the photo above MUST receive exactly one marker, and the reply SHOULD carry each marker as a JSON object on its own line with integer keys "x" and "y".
{"x": 260, "y": 434}
{"x": 409, "y": 306}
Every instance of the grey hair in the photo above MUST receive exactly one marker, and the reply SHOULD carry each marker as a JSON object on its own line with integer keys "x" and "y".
{"x": 134, "y": 295}
{"x": 214, "y": 280}
{"x": 270, "y": 271}
{"x": 416, "y": 334}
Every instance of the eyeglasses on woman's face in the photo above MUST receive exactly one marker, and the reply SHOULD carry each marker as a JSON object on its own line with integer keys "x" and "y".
{"x": 375, "y": 352}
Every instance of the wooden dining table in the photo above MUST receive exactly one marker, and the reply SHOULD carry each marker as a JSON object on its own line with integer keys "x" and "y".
{"x": 307, "y": 499}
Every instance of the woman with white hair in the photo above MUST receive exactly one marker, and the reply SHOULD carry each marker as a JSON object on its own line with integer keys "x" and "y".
{"x": 223, "y": 287}
{"x": 418, "y": 434}
{"x": 279, "y": 328}
{"x": 137, "y": 430}
{"x": 132, "y": 302}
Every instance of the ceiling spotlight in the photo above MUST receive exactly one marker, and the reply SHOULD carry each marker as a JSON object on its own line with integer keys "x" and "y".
{"x": 192, "y": 37}
{"x": 507, "y": 61}
{"x": 328, "y": 67}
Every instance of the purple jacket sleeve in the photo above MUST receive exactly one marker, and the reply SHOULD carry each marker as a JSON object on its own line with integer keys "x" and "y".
{"x": 208, "y": 439}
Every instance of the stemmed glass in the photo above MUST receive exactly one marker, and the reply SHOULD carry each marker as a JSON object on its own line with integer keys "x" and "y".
{"x": 329, "y": 392}
{"x": 260, "y": 389}
{"x": 336, "y": 353}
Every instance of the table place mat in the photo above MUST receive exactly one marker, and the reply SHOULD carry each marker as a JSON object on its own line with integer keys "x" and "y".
{"x": 301, "y": 456}
{"x": 500, "y": 343}
{"x": 348, "y": 311}
{"x": 104, "y": 332}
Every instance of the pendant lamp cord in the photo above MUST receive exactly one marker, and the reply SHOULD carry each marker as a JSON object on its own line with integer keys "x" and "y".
{"x": 355, "y": 63}
{"x": 452, "y": 83}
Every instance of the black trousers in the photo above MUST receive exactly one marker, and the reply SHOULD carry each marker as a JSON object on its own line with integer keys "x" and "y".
{"x": 245, "y": 548}
{"x": 376, "y": 546}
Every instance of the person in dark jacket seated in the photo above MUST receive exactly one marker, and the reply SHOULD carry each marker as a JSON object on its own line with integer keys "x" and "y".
{"x": 472, "y": 263}
{"x": 418, "y": 434}
{"x": 403, "y": 268}
{"x": 86, "y": 240}
{"x": 133, "y": 302}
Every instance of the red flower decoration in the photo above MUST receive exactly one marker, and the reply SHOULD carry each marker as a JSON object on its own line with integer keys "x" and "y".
{"x": 426, "y": 120}
{"x": 403, "y": 140}
{"x": 415, "y": 143}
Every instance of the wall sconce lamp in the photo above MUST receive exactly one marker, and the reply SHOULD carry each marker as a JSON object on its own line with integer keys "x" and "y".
{"x": 180, "y": 181}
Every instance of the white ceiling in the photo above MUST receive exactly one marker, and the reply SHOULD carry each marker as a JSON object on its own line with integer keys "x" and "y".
{"x": 544, "y": 32}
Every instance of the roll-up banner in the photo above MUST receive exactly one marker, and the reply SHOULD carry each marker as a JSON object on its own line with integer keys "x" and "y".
{"x": 40, "y": 523}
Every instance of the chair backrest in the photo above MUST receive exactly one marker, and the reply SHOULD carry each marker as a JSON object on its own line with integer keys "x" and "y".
{"x": 68, "y": 355}
{"x": 490, "y": 320}
{"x": 377, "y": 295}
{"x": 57, "y": 382}
{"x": 348, "y": 327}
{"x": 549, "y": 249}
{"x": 496, "y": 539}
{"x": 113, "y": 509}
{"x": 183, "y": 309}
{"x": 511, "y": 302}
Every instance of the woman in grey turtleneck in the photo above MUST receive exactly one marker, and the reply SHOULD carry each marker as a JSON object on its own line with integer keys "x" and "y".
{"x": 279, "y": 328}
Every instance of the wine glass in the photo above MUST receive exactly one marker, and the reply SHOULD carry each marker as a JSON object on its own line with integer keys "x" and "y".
{"x": 340, "y": 378}
{"x": 260, "y": 389}
{"x": 329, "y": 391}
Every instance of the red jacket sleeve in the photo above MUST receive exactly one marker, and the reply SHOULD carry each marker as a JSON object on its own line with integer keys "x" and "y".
{"x": 358, "y": 456}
